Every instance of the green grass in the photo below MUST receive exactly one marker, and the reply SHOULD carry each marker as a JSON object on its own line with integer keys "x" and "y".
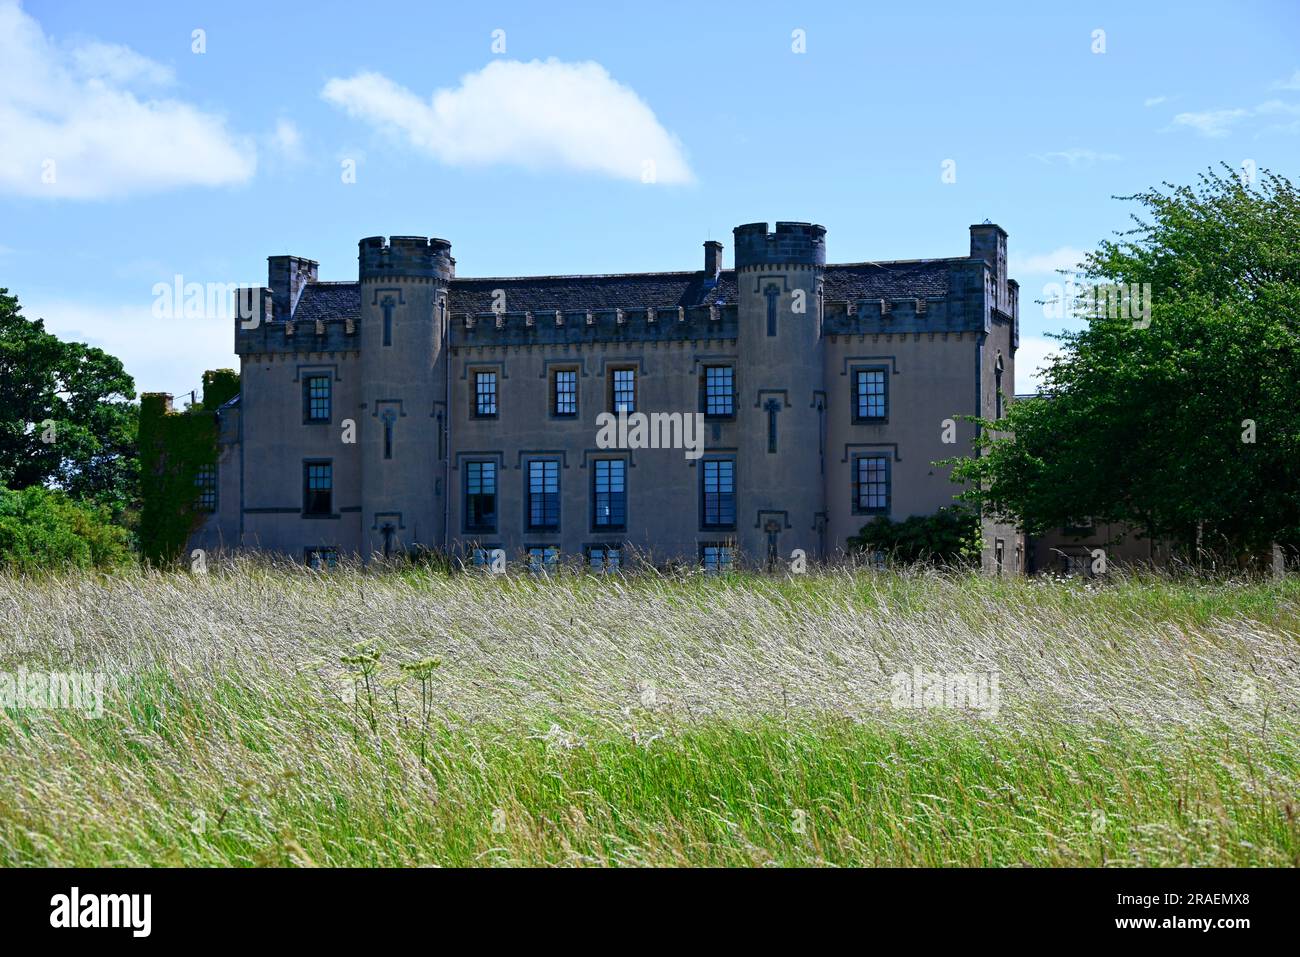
{"x": 652, "y": 721}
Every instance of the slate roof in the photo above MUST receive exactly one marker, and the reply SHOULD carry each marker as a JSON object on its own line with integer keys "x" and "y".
{"x": 544, "y": 294}
{"x": 908, "y": 279}
{"x": 547, "y": 293}
{"x": 329, "y": 300}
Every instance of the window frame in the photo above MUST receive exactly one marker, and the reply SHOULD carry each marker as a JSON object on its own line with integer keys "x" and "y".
{"x": 727, "y": 546}
{"x": 308, "y": 417}
{"x": 544, "y": 526}
{"x": 705, "y": 394}
{"x": 605, "y": 549}
{"x": 206, "y": 479}
{"x": 612, "y": 387}
{"x": 551, "y": 552}
{"x": 616, "y": 513}
{"x": 467, "y": 524}
{"x": 475, "y": 394}
{"x": 857, "y": 460}
{"x": 318, "y": 551}
{"x": 554, "y": 404}
{"x": 705, "y": 464}
{"x": 858, "y": 417}
{"x": 307, "y": 466}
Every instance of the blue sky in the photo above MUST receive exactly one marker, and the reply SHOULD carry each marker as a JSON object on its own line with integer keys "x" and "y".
{"x": 168, "y": 161}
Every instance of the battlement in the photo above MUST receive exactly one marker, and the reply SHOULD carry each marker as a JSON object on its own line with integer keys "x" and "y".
{"x": 405, "y": 257}
{"x": 791, "y": 244}
{"x": 853, "y": 317}
{"x": 566, "y": 327}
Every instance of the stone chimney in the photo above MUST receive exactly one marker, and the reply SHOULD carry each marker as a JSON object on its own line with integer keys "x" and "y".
{"x": 286, "y": 277}
{"x": 712, "y": 260}
{"x": 988, "y": 241}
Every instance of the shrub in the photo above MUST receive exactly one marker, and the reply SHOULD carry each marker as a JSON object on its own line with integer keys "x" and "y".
{"x": 951, "y": 536}
{"x": 42, "y": 529}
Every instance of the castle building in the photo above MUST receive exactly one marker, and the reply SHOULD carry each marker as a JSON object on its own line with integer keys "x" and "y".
{"x": 415, "y": 409}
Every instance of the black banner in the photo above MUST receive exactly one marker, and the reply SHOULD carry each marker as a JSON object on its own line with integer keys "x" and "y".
{"x": 345, "y": 906}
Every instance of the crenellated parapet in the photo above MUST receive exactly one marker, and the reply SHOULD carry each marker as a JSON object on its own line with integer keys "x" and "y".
{"x": 791, "y": 244}
{"x": 567, "y": 327}
{"x": 383, "y": 259}
{"x": 854, "y": 317}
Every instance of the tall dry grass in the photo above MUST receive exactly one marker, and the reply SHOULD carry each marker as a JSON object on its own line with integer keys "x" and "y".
{"x": 660, "y": 720}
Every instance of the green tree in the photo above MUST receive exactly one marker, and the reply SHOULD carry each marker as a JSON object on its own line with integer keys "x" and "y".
{"x": 68, "y": 419}
{"x": 1187, "y": 428}
{"x": 44, "y": 529}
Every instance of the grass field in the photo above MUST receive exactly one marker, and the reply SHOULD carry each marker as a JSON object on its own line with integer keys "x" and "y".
{"x": 263, "y": 716}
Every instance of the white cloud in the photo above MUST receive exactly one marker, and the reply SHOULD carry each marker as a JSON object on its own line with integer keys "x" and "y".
{"x": 1212, "y": 123}
{"x": 118, "y": 64}
{"x": 72, "y": 126}
{"x": 1032, "y": 355}
{"x": 1154, "y": 100}
{"x": 1064, "y": 257}
{"x": 163, "y": 355}
{"x": 1273, "y": 107}
{"x": 1218, "y": 123}
{"x": 538, "y": 115}
{"x": 286, "y": 140}
{"x": 1290, "y": 84}
{"x": 1077, "y": 157}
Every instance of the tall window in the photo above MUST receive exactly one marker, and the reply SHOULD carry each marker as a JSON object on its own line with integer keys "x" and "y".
{"x": 480, "y": 496}
{"x": 871, "y": 483}
{"x": 609, "y": 493}
{"x": 605, "y": 558}
{"x": 543, "y": 494}
{"x": 316, "y": 398}
{"x": 871, "y": 401}
{"x": 718, "y": 480}
{"x": 717, "y": 557}
{"x": 997, "y": 388}
{"x": 205, "y": 484}
{"x": 389, "y": 417}
{"x": 719, "y": 391}
{"x": 317, "y": 488}
{"x": 485, "y": 395}
{"x": 622, "y": 385}
{"x": 564, "y": 392}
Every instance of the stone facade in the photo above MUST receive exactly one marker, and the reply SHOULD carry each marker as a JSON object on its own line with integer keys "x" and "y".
{"x": 415, "y": 409}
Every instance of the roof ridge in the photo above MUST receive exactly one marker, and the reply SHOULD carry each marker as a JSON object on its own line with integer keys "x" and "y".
{"x": 589, "y": 275}
{"x": 664, "y": 273}
{"x": 902, "y": 262}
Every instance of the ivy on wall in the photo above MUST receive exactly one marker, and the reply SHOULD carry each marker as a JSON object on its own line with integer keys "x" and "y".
{"x": 173, "y": 447}
{"x": 219, "y": 387}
